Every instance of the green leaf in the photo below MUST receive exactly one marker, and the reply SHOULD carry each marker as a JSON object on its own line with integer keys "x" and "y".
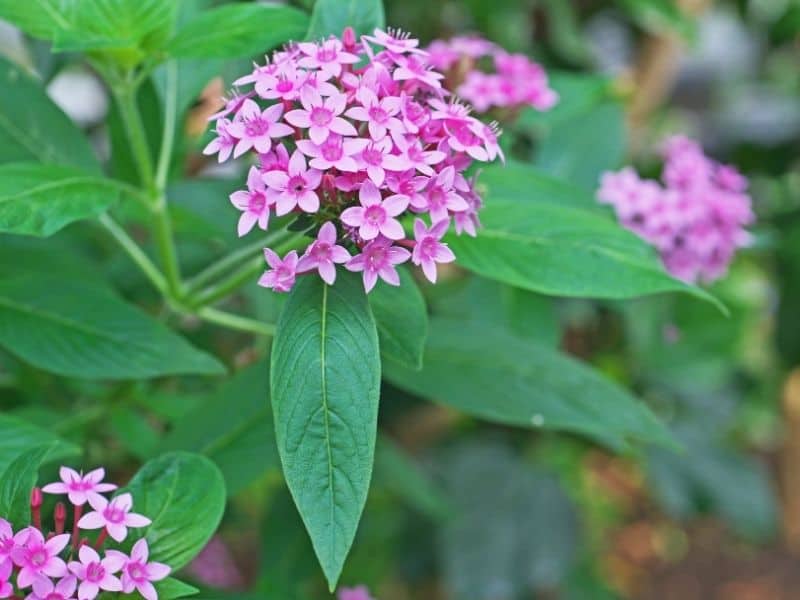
{"x": 171, "y": 588}
{"x": 402, "y": 320}
{"x": 325, "y": 386}
{"x": 562, "y": 251}
{"x": 18, "y": 436}
{"x": 495, "y": 376}
{"x": 238, "y": 30}
{"x": 184, "y": 495}
{"x": 32, "y": 127}
{"x": 330, "y": 17}
{"x": 39, "y": 18}
{"x": 18, "y": 480}
{"x": 659, "y": 16}
{"x": 133, "y": 431}
{"x": 41, "y": 199}
{"x": 63, "y": 326}
{"x": 233, "y": 428}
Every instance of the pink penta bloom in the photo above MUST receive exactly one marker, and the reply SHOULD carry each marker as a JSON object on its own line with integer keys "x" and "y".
{"x": 321, "y": 117}
{"x": 253, "y": 203}
{"x": 78, "y": 487}
{"x": 45, "y": 589}
{"x": 376, "y": 216}
{"x": 442, "y": 197}
{"x": 328, "y": 56}
{"x": 324, "y": 254}
{"x": 375, "y": 158}
{"x": 36, "y": 557}
{"x": 255, "y": 128}
{"x": 115, "y": 516}
{"x": 6, "y": 589}
{"x": 223, "y": 144}
{"x": 395, "y": 40}
{"x": 96, "y": 574}
{"x": 379, "y": 114}
{"x": 429, "y": 249}
{"x": 295, "y": 187}
{"x": 357, "y": 593}
{"x": 379, "y": 259}
{"x": 281, "y": 275}
{"x": 137, "y": 573}
{"x": 7, "y": 542}
{"x": 335, "y": 152}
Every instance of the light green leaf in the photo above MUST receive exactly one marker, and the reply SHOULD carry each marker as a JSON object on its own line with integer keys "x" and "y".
{"x": 18, "y": 436}
{"x": 233, "y": 428}
{"x": 40, "y": 199}
{"x": 32, "y": 127}
{"x": 562, "y": 251}
{"x": 184, "y": 495}
{"x": 238, "y": 30}
{"x": 330, "y": 17}
{"x": 171, "y": 588}
{"x": 63, "y": 326}
{"x": 402, "y": 319}
{"x": 39, "y": 18}
{"x": 495, "y": 376}
{"x": 325, "y": 385}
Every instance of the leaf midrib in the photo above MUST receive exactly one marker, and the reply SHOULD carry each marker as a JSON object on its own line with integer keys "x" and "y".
{"x": 43, "y": 187}
{"x": 326, "y": 420}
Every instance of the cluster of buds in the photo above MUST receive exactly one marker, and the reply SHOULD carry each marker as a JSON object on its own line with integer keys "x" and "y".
{"x": 696, "y": 218}
{"x": 62, "y": 565}
{"x": 356, "y": 138}
{"x": 487, "y": 76}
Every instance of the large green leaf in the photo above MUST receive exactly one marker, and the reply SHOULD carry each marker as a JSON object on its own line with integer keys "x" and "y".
{"x": 39, "y": 18}
{"x": 17, "y": 481}
{"x": 63, "y": 326}
{"x": 495, "y": 376}
{"x": 171, "y": 588}
{"x": 562, "y": 250}
{"x": 184, "y": 495}
{"x": 330, "y": 17}
{"x": 325, "y": 386}
{"x": 233, "y": 428}
{"x": 237, "y": 30}
{"x": 402, "y": 319}
{"x": 38, "y": 199}
{"x": 18, "y": 436}
{"x": 32, "y": 127}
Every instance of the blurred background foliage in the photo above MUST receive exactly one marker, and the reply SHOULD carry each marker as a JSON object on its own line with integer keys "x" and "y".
{"x": 461, "y": 509}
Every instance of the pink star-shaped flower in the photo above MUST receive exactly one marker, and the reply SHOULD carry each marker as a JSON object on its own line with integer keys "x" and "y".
{"x": 115, "y": 516}
{"x": 375, "y": 216}
{"x": 96, "y": 574}
{"x": 378, "y": 259}
{"x": 37, "y": 557}
{"x": 281, "y": 276}
{"x": 78, "y": 487}
{"x": 428, "y": 249}
{"x": 138, "y": 574}
{"x": 323, "y": 254}
{"x": 254, "y": 203}
{"x": 295, "y": 187}
{"x": 45, "y": 589}
{"x": 255, "y": 128}
{"x": 321, "y": 117}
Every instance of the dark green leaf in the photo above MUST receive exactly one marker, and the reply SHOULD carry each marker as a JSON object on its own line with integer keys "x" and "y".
{"x": 501, "y": 378}
{"x": 325, "y": 386}
{"x": 233, "y": 428}
{"x": 184, "y": 495}
{"x": 18, "y": 436}
{"x": 238, "y": 30}
{"x": 402, "y": 320}
{"x": 41, "y": 199}
{"x": 562, "y": 251}
{"x": 63, "y": 326}
{"x": 330, "y": 17}
{"x": 171, "y": 588}
{"x": 134, "y": 432}
{"x": 32, "y": 127}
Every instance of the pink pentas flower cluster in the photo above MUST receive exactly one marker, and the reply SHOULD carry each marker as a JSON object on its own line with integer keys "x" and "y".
{"x": 62, "y": 565}
{"x": 488, "y": 76}
{"x": 359, "y": 143}
{"x": 360, "y": 592}
{"x": 695, "y": 217}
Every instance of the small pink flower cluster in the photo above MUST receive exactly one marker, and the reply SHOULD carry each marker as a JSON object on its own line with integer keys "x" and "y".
{"x": 515, "y": 81}
{"x": 696, "y": 218}
{"x": 367, "y": 138}
{"x": 357, "y": 593}
{"x": 31, "y": 559}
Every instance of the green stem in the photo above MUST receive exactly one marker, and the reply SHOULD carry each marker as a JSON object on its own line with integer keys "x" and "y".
{"x": 135, "y": 253}
{"x": 228, "y": 262}
{"x": 132, "y": 119}
{"x": 231, "y": 321}
{"x": 162, "y": 230}
{"x": 170, "y": 122}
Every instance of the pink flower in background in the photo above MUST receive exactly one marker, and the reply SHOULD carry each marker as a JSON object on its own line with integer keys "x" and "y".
{"x": 216, "y": 566}
{"x": 376, "y": 216}
{"x": 96, "y": 574}
{"x": 115, "y": 516}
{"x": 45, "y": 589}
{"x": 253, "y": 203}
{"x": 429, "y": 249}
{"x": 357, "y": 593}
{"x": 37, "y": 557}
{"x": 78, "y": 487}
{"x": 324, "y": 254}
{"x": 281, "y": 275}
{"x": 379, "y": 259}
{"x": 294, "y": 187}
{"x": 138, "y": 574}
{"x": 696, "y": 219}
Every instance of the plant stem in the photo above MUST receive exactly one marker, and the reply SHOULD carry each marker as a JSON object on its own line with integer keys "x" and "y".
{"x": 135, "y": 253}
{"x": 170, "y": 121}
{"x": 132, "y": 119}
{"x": 231, "y": 321}
{"x": 162, "y": 230}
